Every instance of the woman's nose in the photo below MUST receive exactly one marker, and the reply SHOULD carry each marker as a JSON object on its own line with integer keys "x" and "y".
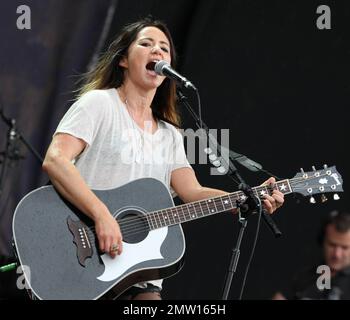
{"x": 156, "y": 48}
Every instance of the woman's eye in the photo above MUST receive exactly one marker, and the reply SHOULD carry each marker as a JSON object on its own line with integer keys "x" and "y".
{"x": 145, "y": 44}
{"x": 165, "y": 49}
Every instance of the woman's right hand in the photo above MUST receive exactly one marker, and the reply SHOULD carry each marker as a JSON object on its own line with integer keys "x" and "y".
{"x": 108, "y": 234}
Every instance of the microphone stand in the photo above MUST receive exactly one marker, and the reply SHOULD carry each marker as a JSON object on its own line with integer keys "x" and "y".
{"x": 252, "y": 203}
{"x": 10, "y": 155}
{"x": 11, "y": 152}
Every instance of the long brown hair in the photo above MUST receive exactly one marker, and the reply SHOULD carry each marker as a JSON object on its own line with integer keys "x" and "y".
{"x": 109, "y": 74}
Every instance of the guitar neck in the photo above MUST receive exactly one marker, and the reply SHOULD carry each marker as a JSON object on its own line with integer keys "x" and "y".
{"x": 199, "y": 209}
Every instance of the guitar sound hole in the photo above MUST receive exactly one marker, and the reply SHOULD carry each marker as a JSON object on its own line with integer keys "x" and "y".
{"x": 133, "y": 225}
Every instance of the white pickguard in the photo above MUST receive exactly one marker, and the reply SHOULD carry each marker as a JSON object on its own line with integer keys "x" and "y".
{"x": 148, "y": 249}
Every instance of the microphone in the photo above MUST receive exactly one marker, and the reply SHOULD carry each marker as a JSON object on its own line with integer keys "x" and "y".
{"x": 163, "y": 68}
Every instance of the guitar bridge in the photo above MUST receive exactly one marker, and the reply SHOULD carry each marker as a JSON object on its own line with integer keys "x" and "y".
{"x": 81, "y": 240}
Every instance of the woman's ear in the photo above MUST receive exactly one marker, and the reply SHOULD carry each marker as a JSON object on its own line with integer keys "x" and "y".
{"x": 123, "y": 62}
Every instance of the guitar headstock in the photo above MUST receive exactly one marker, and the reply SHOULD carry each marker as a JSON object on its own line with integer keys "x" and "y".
{"x": 326, "y": 180}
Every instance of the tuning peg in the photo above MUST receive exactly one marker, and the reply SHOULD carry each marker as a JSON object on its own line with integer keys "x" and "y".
{"x": 304, "y": 175}
{"x": 313, "y": 168}
{"x": 323, "y": 198}
{"x": 312, "y": 200}
{"x": 325, "y": 166}
{"x": 336, "y": 197}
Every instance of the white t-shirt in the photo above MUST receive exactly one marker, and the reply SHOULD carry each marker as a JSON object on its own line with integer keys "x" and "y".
{"x": 118, "y": 150}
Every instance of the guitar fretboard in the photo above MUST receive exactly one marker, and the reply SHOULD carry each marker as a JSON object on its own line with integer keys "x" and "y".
{"x": 199, "y": 209}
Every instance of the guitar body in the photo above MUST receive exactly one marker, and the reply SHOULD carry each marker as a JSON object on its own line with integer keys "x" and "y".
{"x": 59, "y": 254}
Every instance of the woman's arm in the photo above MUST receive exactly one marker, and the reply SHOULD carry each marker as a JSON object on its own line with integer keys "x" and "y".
{"x": 69, "y": 183}
{"x": 186, "y": 185}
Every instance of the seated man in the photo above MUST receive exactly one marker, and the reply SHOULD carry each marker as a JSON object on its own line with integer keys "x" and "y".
{"x": 335, "y": 240}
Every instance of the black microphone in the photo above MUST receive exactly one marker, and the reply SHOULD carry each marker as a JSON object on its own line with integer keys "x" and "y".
{"x": 163, "y": 68}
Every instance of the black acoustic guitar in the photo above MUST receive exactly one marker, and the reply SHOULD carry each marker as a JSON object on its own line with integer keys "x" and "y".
{"x": 58, "y": 251}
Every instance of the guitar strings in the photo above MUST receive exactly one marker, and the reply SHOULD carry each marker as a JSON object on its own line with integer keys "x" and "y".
{"x": 130, "y": 228}
{"x": 139, "y": 227}
{"x": 152, "y": 219}
{"x": 211, "y": 205}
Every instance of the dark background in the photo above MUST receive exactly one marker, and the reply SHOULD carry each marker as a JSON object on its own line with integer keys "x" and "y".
{"x": 264, "y": 70}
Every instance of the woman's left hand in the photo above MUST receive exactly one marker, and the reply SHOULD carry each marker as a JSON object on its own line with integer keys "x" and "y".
{"x": 273, "y": 202}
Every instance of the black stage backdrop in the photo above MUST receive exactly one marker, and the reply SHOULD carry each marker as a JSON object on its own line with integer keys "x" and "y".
{"x": 264, "y": 71}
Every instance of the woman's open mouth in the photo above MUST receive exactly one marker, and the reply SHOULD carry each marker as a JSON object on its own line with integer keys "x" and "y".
{"x": 150, "y": 68}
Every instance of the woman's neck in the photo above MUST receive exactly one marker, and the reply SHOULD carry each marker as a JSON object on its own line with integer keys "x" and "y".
{"x": 138, "y": 100}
